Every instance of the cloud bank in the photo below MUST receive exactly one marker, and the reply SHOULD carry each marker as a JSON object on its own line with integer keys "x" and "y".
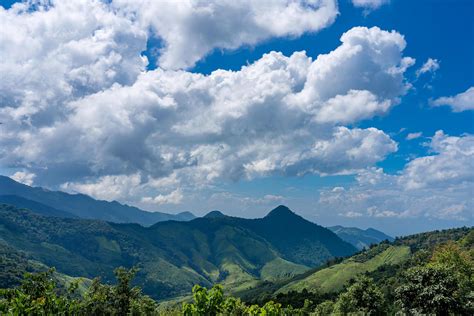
{"x": 87, "y": 116}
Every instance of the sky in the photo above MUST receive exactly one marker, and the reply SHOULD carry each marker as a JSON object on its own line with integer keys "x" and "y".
{"x": 350, "y": 112}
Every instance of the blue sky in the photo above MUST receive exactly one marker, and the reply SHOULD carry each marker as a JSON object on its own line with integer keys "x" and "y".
{"x": 181, "y": 141}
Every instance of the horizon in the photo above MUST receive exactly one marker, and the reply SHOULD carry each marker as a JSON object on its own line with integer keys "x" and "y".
{"x": 351, "y": 113}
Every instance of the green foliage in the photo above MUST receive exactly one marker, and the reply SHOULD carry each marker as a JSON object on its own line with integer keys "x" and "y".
{"x": 428, "y": 290}
{"x": 205, "y": 302}
{"x": 213, "y": 302}
{"x": 39, "y": 294}
{"x": 444, "y": 285}
{"x": 324, "y": 309}
{"x": 362, "y": 297}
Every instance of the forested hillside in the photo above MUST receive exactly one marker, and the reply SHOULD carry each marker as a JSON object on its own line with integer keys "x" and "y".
{"x": 173, "y": 256}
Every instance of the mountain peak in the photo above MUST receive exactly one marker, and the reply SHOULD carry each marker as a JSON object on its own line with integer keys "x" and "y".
{"x": 214, "y": 214}
{"x": 280, "y": 211}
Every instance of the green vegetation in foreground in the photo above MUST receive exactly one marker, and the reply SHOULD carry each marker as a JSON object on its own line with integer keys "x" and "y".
{"x": 438, "y": 279}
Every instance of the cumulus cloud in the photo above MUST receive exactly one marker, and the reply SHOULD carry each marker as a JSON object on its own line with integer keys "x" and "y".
{"x": 430, "y": 66}
{"x": 191, "y": 29}
{"x": 279, "y": 115}
{"x": 452, "y": 163}
{"x": 61, "y": 52}
{"x": 463, "y": 101}
{"x": 80, "y": 111}
{"x": 436, "y": 186}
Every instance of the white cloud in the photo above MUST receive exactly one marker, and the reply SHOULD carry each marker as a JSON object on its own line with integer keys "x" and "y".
{"x": 452, "y": 163}
{"x": 439, "y": 186}
{"x": 412, "y": 136}
{"x": 24, "y": 177}
{"x": 192, "y": 29}
{"x": 158, "y": 130}
{"x": 461, "y": 102}
{"x": 106, "y": 187}
{"x": 62, "y": 52}
{"x": 174, "y": 197}
{"x": 369, "y": 4}
{"x": 430, "y": 66}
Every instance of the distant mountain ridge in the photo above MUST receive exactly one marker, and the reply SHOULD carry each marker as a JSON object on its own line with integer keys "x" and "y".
{"x": 80, "y": 205}
{"x": 360, "y": 238}
{"x": 173, "y": 256}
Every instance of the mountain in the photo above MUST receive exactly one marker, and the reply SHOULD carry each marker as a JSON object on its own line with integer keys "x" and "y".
{"x": 214, "y": 214}
{"x": 287, "y": 230}
{"x": 80, "y": 205}
{"x": 172, "y": 255}
{"x": 34, "y": 206}
{"x": 360, "y": 238}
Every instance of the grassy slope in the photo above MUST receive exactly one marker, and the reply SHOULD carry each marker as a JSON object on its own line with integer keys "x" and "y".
{"x": 332, "y": 279}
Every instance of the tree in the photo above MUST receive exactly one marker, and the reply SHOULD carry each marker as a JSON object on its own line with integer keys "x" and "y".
{"x": 324, "y": 309}
{"x": 38, "y": 294}
{"x": 361, "y": 297}
{"x": 205, "y": 302}
{"x": 429, "y": 290}
{"x": 119, "y": 299}
{"x": 444, "y": 285}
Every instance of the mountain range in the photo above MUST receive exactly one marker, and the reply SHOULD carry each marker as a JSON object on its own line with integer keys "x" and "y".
{"x": 173, "y": 255}
{"x": 63, "y": 204}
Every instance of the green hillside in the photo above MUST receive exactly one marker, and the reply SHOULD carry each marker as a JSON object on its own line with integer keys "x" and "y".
{"x": 173, "y": 256}
{"x": 385, "y": 263}
{"x": 334, "y": 278}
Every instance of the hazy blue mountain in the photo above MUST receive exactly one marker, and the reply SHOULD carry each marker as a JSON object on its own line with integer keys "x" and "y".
{"x": 360, "y": 238}
{"x": 172, "y": 255}
{"x": 36, "y": 207}
{"x": 82, "y": 206}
